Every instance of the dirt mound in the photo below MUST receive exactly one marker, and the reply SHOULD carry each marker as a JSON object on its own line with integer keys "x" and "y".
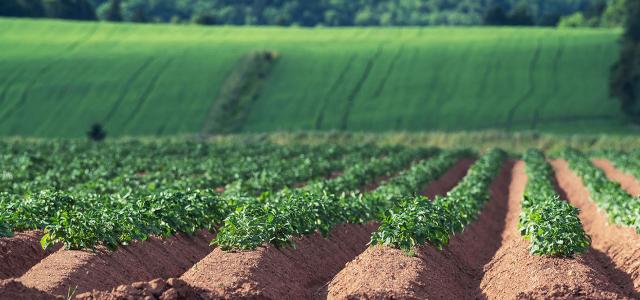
{"x": 20, "y": 252}
{"x": 13, "y": 290}
{"x": 170, "y": 289}
{"x": 285, "y": 273}
{"x": 447, "y": 181}
{"x": 103, "y": 270}
{"x": 384, "y": 272}
{"x": 387, "y": 273}
{"x": 529, "y": 276}
{"x": 618, "y": 248}
{"x": 628, "y": 182}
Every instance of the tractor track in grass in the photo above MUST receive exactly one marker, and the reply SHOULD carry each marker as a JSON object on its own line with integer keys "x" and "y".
{"x": 627, "y": 181}
{"x": 533, "y": 63}
{"x": 149, "y": 89}
{"x": 20, "y": 252}
{"x": 344, "y": 122}
{"x": 24, "y": 97}
{"x": 555, "y": 84}
{"x": 618, "y": 248}
{"x": 125, "y": 90}
{"x": 488, "y": 71}
{"x": 10, "y": 84}
{"x": 103, "y": 269}
{"x": 390, "y": 69}
{"x": 334, "y": 86}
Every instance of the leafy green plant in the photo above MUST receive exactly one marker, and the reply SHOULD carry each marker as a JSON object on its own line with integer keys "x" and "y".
{"x": 416, "y": 220}
{"x": 551, "y": 224}
{"x": 83, "y": 195}
{"x": 620, "y": 207}
{"x": 322, "y": 205}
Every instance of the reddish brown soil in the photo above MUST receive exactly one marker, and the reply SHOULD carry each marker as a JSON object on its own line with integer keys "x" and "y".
{"x": 275, "y": 273}
{"x": 488, "y": 260}
{"x": 447, "y": 181}
{"x": 13, "y": 290}
{"x": 104, "y": 270}
{"x": 617, "y": 248}
{"x": 171, "y": 289}
{"x": 20, "y": 252}
{"x": 628, "y": 182}
{"x": 514, "y": 273}
{"x": 384, "y": 272}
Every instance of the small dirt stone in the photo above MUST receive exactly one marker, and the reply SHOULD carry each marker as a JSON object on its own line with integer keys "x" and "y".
{"x": 156, "y": 287}
{"x": 170, "y": 294}
{"x": 139, "y": 285}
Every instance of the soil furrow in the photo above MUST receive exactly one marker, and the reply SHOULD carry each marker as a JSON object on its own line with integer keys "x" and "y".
{"x": 628, "y": 182}
{"x": 384, "y": 272}
{"x": 618, "y": 247}
{"x": 104, "y": 270}
{"x": 20, "y": 252}
{"x": 513, "y": 273}
{"x": 446, "y": 182}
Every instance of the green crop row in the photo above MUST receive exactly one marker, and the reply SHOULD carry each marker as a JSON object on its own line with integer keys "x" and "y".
{"x": 171, "y": 211}
{"x": 551, "y": 224}
{"x": 627, "y": 162}
{"x": 416, "y": 220}
{"x": 123, "y": 192}
{"x": 620, "y": 207}
{"x": 322, "y": 205}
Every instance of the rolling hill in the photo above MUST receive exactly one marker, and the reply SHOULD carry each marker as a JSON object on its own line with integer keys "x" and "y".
{"x": 58, "y": 77}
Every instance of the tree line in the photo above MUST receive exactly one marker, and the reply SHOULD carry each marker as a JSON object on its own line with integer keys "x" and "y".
{"x": 625, "y": 74}
{"x": 329, "y": 12}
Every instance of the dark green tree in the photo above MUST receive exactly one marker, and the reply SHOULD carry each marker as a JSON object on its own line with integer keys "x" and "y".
{"x": 114, "y": 12}
{"x": 96, "y": 133}
{"x": 625, "y": 74}
{"x": 521, "y": 16}
{"x": 496, "y": 16}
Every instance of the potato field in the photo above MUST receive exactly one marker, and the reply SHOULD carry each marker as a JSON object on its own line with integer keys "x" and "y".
{"x": 187, "y": 219}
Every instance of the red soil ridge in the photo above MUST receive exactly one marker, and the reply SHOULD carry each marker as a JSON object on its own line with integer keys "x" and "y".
{"x": 384, "y": 272}
{"x": 513, "y": 273}
{"x": 20, "y": 252}
{"x": 283, "y": 273}
{"x": 488, "y": 260}
{"x": 104, "y": 270}
{"x": 618, "y": 247}
{"x": 286, "y": 273}
{"x": 628, "y": 182}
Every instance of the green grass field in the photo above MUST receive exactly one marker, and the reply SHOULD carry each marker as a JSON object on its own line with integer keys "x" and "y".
{"x": 56, "y": 78}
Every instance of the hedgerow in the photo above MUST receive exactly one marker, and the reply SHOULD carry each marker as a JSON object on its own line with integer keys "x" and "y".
{"x": 551, "y": 224}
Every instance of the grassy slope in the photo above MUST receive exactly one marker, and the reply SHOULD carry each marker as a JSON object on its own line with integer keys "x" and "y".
{"x": 58, "y": 77}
